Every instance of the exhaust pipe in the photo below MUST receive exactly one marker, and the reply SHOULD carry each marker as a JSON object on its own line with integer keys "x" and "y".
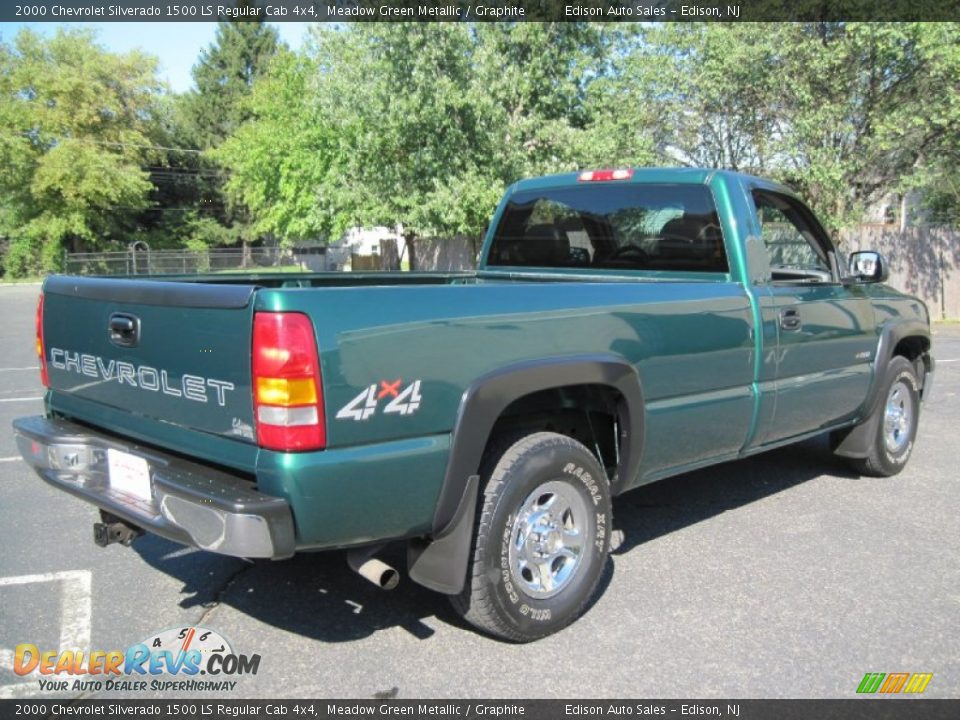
{"x": 370, "y": 568}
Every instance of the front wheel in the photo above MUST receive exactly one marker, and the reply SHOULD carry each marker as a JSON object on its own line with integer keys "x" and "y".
{"x": 541, "y": 541}
{"x": 899, "y": 414}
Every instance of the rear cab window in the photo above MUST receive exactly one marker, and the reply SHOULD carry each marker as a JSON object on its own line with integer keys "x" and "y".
{"x": 623, "y": 227}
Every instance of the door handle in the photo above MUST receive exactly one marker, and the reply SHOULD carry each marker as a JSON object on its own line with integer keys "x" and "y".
{"x": 790, "y": 319}
{"x": 124, "y": 330}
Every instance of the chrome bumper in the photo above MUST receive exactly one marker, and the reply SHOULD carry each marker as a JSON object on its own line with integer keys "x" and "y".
{"x": 190, "y": 503}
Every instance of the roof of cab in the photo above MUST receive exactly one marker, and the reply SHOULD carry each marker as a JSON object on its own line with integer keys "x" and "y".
{"x": 686, "y": 176}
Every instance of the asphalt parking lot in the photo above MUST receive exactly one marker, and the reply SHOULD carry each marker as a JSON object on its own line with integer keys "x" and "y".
{"x": 783, "y": 575}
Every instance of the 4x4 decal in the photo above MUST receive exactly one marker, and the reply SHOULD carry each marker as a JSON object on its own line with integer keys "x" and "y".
{"x": 364, "y": 405}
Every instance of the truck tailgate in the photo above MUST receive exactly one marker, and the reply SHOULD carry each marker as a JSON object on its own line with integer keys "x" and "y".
{"x": 175, "y": 352}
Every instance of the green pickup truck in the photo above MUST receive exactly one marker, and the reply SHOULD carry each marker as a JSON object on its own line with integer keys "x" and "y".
{"x": 622, "y": 326}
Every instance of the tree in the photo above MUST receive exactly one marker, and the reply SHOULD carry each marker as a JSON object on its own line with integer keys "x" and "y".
{"x": 702, "y": 94}
{"x": 280, "y": 157}
{"x": 865, "y": 105}
{"x": 418, "y": 124}
{"x": 937, "y": 170}
{"x": 843, "y": 111}
{"x": 426, "y": 124}
{"x": 531, "y": 83}
{"x": 74, "y": 135}
{"x": 408, "y": 134}
{"x": 224, "y": 75}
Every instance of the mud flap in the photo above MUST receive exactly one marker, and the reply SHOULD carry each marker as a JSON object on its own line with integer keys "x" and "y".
{"x": 441, "y": 564}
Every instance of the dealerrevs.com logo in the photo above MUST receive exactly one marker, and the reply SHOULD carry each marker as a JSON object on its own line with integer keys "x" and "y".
{"x": 179, "y": 659}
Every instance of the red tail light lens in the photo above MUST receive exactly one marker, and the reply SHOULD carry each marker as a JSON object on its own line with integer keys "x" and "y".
{"x": 287, "y": 394}
{"x": 41, "y": 348}
{"x": 602, "y": 175}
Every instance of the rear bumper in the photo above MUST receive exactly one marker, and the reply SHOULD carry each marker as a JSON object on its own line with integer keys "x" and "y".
{"x": 189, "y": 503}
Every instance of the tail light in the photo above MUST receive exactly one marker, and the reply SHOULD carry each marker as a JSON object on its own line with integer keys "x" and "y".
{"x": 41, "y": 348}
{"x": 602, "y": 175}
{"x": 287, "y": 394}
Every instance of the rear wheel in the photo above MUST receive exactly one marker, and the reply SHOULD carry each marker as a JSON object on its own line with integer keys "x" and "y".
{"x": 541, "y": 541}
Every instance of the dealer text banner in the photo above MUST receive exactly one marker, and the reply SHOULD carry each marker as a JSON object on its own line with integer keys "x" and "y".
{"x": 480, "y": 709}
{"x": 482, "y": 10}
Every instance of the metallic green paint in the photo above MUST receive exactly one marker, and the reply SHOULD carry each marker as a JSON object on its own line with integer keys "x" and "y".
{"x": 716, "y": 367}
{"x": 358, "y": 495}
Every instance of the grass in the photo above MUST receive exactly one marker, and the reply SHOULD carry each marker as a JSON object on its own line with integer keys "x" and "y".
{"x": 22, "y": 281}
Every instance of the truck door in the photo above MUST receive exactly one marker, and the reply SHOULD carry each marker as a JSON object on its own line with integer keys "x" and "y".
{"x": 825, "y": 330}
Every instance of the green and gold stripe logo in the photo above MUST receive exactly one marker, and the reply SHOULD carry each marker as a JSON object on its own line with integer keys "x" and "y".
{"x": 892, "y": 683}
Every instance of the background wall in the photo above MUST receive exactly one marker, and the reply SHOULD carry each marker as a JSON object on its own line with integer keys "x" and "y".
{"x": 924, "y": 261}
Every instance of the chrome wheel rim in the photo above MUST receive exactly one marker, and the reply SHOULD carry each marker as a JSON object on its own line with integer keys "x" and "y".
{"x": 898, "y": 417}
{"x": 547, "y": 539}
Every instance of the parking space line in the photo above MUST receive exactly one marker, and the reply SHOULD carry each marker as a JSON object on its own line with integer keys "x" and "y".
{"x": 12, "y": 458}
{"x": 75, "y": 615}
{"x": 32, "y": 367}
{"x": 946, "y": 361}
{"x": 23, "y": 399}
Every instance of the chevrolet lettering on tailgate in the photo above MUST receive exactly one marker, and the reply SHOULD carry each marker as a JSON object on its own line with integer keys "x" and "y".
{"x": 190, "y": 387}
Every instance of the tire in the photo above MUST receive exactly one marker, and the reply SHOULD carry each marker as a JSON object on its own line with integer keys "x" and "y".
{"x": 523, "y": 585}
{"x": 897, "y": 417}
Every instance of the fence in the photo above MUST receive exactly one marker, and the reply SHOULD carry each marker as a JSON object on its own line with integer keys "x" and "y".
{"x": 161, "y": 262}
{"x": 924, "y": 261}
{"x": 433, "y": 254}
{"x": 457, "y": 253}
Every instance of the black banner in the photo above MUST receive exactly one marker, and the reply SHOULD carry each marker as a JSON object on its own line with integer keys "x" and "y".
{"x": 480, "y": 10}
{"x": 872, "y": 708}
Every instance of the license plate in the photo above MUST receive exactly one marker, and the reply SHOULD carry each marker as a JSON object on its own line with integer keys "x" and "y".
{"x": 129, "y": 474}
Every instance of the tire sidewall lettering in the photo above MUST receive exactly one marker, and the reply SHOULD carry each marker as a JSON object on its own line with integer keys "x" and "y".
{"x": 586, "y": 478}
{"x": 526, "y": 611}
{"x": 505, "y": 577}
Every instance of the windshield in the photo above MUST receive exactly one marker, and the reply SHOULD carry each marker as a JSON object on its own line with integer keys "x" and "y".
{"x": 624, "y": 227}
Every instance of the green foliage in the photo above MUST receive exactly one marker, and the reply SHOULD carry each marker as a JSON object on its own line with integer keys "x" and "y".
{"x": 706, "y": 93}
{"x": 530, "y": 83}
{"x": 936, "y": 175}
{"x": 425, "y": 124}
{"x": 224, "y": 74}
{"x": 859, "y": 110}
{"x": 396, "y": 98}
{"x": 843, "y": 112}
{"x": 279, "y": 159}
{"x": 219, "y": 108}
{"x": 421, "y": 124}
{"x": 74, "y": 123}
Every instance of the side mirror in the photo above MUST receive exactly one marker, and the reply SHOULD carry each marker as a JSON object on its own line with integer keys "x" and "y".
{"x": 868, "y": 266}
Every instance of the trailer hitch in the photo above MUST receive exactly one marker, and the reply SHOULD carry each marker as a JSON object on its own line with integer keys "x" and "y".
{"x": 114, "y": 530}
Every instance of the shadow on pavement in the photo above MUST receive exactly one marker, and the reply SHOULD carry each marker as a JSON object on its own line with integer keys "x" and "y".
{"x": 318, "y": 596}
{"x": 661, "y": 508}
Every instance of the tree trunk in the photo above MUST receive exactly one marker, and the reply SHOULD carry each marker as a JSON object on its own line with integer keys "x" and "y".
{"x": 411, "y": 251}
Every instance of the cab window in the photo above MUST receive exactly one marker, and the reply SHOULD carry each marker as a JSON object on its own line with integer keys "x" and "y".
{"x": 620, "y": 227}
{"x": 796, "y": 245}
